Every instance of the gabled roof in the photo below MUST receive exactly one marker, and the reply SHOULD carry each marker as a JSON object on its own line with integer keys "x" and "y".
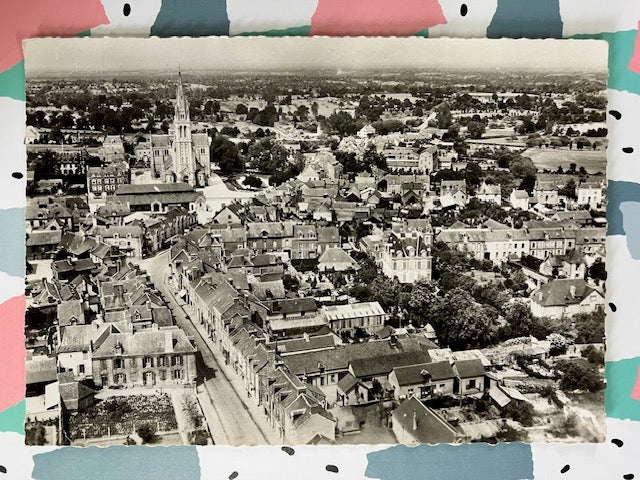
{"x": 423, "y": 424}
{"x": 336, "y": 255}
{"x": 469, "y": 368}
{"x": 384, "y": 364}
{"x": 145, "y": 342}
{"x": 562, "y": 292}
{"x": 419, "y": 373}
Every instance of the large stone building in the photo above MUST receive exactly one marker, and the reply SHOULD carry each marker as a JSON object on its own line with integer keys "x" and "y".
{"x": 180, "y": 156}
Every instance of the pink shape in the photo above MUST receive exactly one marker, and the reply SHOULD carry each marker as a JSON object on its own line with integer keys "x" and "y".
{"x": 20, "y": 19}
{"x": 634, "y": 63}
{"x": 635, "y": 393}
{"x": 12, "y": 351}
{"x": 375, "y": 17}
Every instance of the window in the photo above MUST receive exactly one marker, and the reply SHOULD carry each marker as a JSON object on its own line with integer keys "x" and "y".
{"x": 132, "y": 363}
{"x": 176, "y": 360}
{"x": 163, "y": 374}
{"x": 471, "y": 384}
{"x": 147, "y": 362}
{"x": 162, "y": 362}
{"x": 177, "y": 374}
{"x": 103, "y": 364}
{"x": 118, "y": 363}
{"x": 119, "y": 378}
{"x": 81, "y": 368}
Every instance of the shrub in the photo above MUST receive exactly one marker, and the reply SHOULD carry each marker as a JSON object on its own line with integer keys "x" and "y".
{"x": 520, "y": 412}
{"x": 146, "y": 432}
{"x": 579, "y": 375}
{"x": 593, "y": 355}
{"x": 252, "y": 181}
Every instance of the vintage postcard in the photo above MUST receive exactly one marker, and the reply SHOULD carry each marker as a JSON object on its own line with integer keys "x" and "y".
{"x": 315, "y": 241}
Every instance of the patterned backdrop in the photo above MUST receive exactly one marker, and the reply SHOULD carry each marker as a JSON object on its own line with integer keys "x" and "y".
{"x": 615, "y": 21}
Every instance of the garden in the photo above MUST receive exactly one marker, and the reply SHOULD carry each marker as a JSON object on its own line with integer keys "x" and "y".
{"x": 122, "y": 415}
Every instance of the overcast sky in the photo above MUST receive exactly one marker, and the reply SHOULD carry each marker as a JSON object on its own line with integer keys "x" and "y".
{"x": 106, "y": 55}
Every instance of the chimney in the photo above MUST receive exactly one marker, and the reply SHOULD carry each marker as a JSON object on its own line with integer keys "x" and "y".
{"x": 306, "y": 337}
{"x": 168, "y": 341}
{"x": 415, "y": 420}
{"x": 572, "y": 291}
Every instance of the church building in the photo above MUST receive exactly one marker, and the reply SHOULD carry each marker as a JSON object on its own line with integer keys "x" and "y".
{"x": 181, "y": 156}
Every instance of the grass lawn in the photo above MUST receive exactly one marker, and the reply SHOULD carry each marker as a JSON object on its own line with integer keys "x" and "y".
{"x": 551, "y": 159}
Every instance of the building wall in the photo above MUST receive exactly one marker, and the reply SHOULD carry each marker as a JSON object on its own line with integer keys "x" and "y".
{"x": 164, "y": 366}
{"x": 439, "y": 387}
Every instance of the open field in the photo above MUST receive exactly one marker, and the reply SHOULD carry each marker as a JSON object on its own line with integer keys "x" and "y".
{"x": 552, "y": 158}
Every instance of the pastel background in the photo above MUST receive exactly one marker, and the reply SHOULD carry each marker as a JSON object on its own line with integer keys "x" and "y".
{"x": 615, "y": 21}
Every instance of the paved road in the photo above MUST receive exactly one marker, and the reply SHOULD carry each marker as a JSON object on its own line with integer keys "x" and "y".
{"x": 231, "y": 419}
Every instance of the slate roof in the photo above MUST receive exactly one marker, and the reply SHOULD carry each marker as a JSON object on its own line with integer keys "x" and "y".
{"x": 431, "y": 427}
{"x": 145, "y": 342}
{"x": 469, "y": 368}
{"x": 558, "y": 292}
{"x": 412, "y": 374}
{"x": 384, "y": 364}
{"x": 343, "y": 355}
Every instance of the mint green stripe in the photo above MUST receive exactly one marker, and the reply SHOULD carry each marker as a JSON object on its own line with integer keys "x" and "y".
{"x": 12, "y": 82}
{"x": 12, "y": 419}
{"x": 302, "y": 31}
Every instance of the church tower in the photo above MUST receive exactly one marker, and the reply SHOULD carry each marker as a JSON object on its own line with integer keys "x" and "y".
{"x": 183, "y": 161}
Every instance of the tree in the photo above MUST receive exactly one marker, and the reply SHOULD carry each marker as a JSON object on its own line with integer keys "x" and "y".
{"x": 589, "y": 327}
{"x": 598, "y": 270}
{"x": 146, "y": 432}
{"x": 252, "y": 181}
{"x": 241, "y": 109}
{"x": 475, "y": 129}
{"x": 460, "y": 322}
{"x": 225, "y": 153}
{"x": 420, "y": 301}
{"x": 593, "y": 355}
{"x": 519, "y": 321}
{"x": 444, "y": 119}
{"x": 569, "y": 190}
{"x": 578, "y": 374}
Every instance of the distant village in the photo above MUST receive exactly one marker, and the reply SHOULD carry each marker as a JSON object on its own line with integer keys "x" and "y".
{"x": 293, "y": 268}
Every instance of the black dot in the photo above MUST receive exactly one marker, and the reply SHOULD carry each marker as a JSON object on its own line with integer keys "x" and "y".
{"x": 628, "y": 476}
{"x": 288, "y": 450}
{"x": 126, "y": 9}
{"x": 17, "y": 175}
{"x": 233, "y": 475}
{"x": 627, "y": 149}
{"x": 613, "y": 308}
{"x": 565, "y": 469}
{"x": 3, "y": 469}
{"x": 464, "y": 9}
{"x": 332, "y": 468}
{"x": 616, "y": 441}
{"x": 615, "y": 114}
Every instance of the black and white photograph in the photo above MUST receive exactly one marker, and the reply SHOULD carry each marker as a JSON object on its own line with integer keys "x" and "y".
{"x": 315, "y": 241}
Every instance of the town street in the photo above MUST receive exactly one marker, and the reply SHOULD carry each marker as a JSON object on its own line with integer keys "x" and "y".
{"x": 231, "y": 418}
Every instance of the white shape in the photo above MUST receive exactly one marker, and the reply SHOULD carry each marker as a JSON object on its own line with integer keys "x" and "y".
{"x": 15, "y": 457}
{"x": 10, "y": 286}
{"x": 591, "y": 16}
{"x": 13, "y": 120}
{"x": 623, "y": 284}
{"x": 308, "y": 462}
{"x": 623, "y": 133}
{"x": 473, "y": 24}
{"x": 137, "y": 24}
{"x": 591, "y": 461}
{"x": 248, "y": 16}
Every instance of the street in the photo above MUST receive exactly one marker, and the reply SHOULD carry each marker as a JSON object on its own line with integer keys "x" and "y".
{"x": 232, "y": 420}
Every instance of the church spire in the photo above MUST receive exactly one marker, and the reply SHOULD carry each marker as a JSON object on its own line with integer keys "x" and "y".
{"x": 181, "y": 105}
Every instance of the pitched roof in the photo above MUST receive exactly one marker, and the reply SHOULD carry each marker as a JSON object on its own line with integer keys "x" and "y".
{"x": 469, "y": 368}
{"x": 562, "y": 292}
{"x": 43, "y": 237}
{"x": 415, "y": 374}
{"x": 430, "y": 427}
{"x": 384, "y": 364}
{"x": 145, "y": 342}
{"x": 336, "y": 255}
